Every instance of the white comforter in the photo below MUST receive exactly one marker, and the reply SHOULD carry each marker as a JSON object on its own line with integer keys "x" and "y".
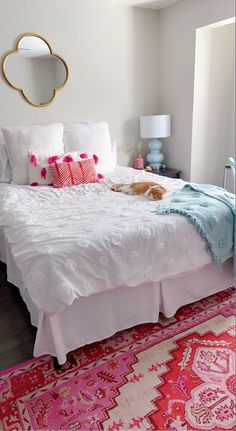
{"x": 79, "y": 241}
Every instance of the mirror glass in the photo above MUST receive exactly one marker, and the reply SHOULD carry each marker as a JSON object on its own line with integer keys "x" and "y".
{"x": 35, "y": 70}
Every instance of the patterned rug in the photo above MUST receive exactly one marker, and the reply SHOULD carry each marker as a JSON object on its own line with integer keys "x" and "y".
{"x": 174, "y": 375}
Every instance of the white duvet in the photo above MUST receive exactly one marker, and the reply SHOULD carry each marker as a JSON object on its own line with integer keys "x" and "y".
{"x": 78, "y": 241}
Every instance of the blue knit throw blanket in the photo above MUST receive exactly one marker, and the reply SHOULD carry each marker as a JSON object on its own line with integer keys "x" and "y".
{"x": 211, "y": 210}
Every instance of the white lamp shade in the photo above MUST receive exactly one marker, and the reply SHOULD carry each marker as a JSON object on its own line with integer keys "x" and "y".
{"x": 155, "y": 126}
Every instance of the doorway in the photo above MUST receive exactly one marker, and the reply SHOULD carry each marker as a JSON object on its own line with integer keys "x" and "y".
{"x": 213, "y": 136}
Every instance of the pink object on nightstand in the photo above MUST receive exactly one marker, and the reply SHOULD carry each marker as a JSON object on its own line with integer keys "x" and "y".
{"x": 139, "y": 162}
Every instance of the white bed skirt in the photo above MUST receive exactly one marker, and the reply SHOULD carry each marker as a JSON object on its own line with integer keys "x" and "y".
{"x": 95, "y": 318}
{"x": 99, "y": 316}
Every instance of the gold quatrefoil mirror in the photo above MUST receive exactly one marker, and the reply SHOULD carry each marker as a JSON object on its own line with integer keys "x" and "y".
{"x": 35, "y": 70}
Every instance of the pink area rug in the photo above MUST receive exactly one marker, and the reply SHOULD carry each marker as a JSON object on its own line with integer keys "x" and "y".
{"x": 177, "y": 374}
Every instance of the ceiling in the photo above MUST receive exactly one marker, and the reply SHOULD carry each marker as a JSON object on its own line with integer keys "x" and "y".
{"x": 151, "y": 4}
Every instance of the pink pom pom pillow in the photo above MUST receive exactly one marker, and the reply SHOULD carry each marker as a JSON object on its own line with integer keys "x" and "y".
{"x": 73, "y": 173}
{"x": 39, "y": 164}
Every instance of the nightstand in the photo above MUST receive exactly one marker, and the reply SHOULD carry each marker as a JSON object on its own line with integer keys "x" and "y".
{"x": 171, "y": 173}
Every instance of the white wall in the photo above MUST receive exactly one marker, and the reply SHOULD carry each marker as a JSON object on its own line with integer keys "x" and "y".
{"x": 113, "y": 57}
{"x": 178, "y": 24}
{"x": 213, "y": 137}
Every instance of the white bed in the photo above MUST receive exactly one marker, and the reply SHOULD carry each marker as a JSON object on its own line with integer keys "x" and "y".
{"x": 90, "y": 262}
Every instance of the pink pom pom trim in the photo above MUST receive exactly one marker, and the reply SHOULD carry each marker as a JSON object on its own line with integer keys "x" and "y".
{"x": 96, "y": 159}
{"x": 68, "y": 159}
{"x": 52, "y": 159}
{"x": 84, "y": 155}
{"x": 44, "y": 173}
{"x": 33, "y": 160}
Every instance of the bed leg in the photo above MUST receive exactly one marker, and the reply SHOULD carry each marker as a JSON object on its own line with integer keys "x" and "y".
{"x": 69, "y": 363}
{"x": 57, "y": 366}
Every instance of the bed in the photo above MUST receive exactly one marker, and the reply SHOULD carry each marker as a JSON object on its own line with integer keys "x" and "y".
{"x": 90, "y": 262}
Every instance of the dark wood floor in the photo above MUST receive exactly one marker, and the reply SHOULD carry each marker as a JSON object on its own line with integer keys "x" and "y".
{"x": 16, "y": 333}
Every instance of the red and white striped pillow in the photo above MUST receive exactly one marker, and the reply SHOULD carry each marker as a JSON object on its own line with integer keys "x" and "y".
{"x": 73, "y": 173}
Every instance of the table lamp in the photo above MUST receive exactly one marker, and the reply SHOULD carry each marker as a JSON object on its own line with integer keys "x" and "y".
{"x": 153, "y": 127}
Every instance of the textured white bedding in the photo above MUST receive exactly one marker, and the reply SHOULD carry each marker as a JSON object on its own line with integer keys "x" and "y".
{"x": 102, "y": 315}
{"x": 79, "y": 241}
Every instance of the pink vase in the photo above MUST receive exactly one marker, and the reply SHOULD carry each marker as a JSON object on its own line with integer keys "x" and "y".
{"x": 138, "y": 162}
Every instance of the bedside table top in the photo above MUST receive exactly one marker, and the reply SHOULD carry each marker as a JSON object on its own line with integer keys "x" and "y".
{"x": 168, "y": 172}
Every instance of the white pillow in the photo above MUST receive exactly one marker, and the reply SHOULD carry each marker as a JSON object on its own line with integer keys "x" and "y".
{"x": 94, "y": 137}
{"x": 5, "y": 168}
{"x": 114, "y": 153}
{"x": 20, "y": 139}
